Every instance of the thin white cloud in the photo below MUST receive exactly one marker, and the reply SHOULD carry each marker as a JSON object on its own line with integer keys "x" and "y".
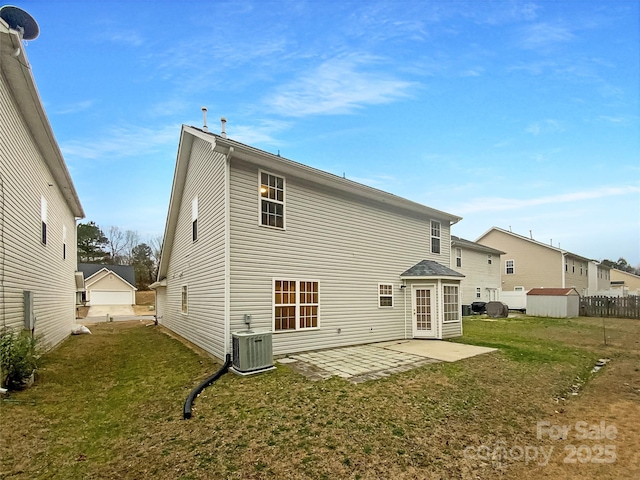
{"x": 338, "y": 86}
{"x": 74, "y": 107}
{"x": 544, "y": 35}
{"x": 259, "y": 133}
{"x": 124, "y": 141}
{"x": 548, "y": 125}
{"x": 127, "y": 38}
{"x": 497, "y": 204}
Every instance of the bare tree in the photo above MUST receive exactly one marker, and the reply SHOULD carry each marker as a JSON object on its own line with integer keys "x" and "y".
{"x": 156, "y": 250}
{"x": 131, "y": 240}
{"x": 116, "y": 244}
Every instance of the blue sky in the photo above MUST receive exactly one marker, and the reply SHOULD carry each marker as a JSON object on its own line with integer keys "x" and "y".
{"x": 515, "y": 114}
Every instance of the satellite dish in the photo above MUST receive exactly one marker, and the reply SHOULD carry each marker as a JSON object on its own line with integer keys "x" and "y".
{"x": 21, "y": 21}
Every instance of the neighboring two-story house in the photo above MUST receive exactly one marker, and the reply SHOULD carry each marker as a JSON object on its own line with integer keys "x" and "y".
{"x": 319, "y": 260}
{"x": 528, "y": 264}
{"x": 624, "y": 283}
{"x": 480, "y": 266}
{"x": 38, "y": 207}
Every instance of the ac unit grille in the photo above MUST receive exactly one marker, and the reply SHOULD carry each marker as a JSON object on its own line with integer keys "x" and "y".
{"x": 252, "y": 351}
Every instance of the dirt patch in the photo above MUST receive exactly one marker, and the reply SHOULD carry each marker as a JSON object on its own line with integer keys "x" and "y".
{"x": 145, "y": 297}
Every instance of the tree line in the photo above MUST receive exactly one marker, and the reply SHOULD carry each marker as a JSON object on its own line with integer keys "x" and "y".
{"x": 120, "y": 247}
{"x": 622, "y": 265}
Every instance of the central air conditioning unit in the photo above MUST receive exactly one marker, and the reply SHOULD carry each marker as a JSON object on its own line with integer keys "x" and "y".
{"x": 252, "y": 352}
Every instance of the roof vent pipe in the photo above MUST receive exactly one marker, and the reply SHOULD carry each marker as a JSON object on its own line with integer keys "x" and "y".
{"x": 224, "y": 127}
{"x": 204, "y": 121}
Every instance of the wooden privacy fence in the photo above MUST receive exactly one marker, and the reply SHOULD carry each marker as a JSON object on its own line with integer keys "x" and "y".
{"x": 621, "y": 307}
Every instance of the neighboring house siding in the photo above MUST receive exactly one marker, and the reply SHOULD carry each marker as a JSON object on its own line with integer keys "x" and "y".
{"x": 631, "y": 281}
{"x": 199, "y": 265}
{"x": 348, "y": 245}
{"x": 25, "y": 263}
{"x": 478, "y": 274}
{"x": 109, "y": 282}
{"x": 161, "y": 304}
{"x": 535, "y": 265}
{"x": 574, "y": 276}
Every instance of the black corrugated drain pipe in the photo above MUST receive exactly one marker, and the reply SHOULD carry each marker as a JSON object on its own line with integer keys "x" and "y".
{"x": 196, "y": 391}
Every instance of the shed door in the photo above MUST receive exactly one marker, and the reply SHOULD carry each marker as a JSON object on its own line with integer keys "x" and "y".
{"x": 423, "y": 303}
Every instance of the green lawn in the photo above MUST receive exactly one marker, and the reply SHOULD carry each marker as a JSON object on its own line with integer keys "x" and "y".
{"x": 109, "y": 405}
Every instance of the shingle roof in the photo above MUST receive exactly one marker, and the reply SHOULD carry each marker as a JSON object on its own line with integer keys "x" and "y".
{"x": 552, "y": 292}
{"x": 126, "y": 272}
{"x": 462, "y": 243}
{"x": 429, "y": 268}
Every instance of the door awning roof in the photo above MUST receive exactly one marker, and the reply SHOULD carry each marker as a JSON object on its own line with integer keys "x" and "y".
{"x": 430, "y": 269}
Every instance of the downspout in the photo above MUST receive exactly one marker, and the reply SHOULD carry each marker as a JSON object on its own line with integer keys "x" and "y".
{"x": 563, "y": 261}
{"x": 404, "y": 293}
{"x": 227, "y": 250}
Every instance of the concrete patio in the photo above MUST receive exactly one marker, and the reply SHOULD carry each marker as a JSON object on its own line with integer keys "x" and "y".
{"x": 378, "y": 360}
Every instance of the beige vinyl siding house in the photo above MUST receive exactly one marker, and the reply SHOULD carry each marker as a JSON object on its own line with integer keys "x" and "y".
{"x": 528, "y": 264}
{"x": 312, "y": 257}
{"x": 38, "y": 206}
{"x": 481, "y": 268}
{"x": 599, "y": 279}
{"x": 627, "y": 283}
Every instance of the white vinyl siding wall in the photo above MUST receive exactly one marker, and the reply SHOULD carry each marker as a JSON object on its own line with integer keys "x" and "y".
{"x": 201, "y": 264}
{"x": 348, "y": 245}
{"x": 477, "y": 273}
{"x": 25, "y": 263}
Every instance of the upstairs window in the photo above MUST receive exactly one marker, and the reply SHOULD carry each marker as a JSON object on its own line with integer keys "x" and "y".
{"x": 510, "y": 267}
{"x": 478, "y": 292}
{"x": 489, "y": 259}
{"x": 271, "y": 200}
{"x": 435, "y": 237}
{"x": 458, "y": 257}
{"x": 194, "y": 219}
{"x": 43, "y": 218}
{"x": 64, "y": 242}
{"x": 385, "y": 295}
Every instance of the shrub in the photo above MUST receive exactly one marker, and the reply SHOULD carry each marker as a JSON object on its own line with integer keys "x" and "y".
{"x": 19, "y": 353}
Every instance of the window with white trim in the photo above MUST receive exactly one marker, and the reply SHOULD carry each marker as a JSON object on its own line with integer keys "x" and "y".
{"x": 184, "y": 298}
{"x": 451, "y": 303}
{"x": 295, "y": 305}
{"x": 478, "y": 292}
{"x": 194, "y": 219}
{"x": 510, "y": 267}
{"x": 489, "y": 259}
{"x": 43, "y": 218}
{"x": 435, "y": 236}
{"x": 385, "y": 295}
{"x": 458, "y": 257}
{"x": 271, "y": 200}
{"x": 64, "y": 242}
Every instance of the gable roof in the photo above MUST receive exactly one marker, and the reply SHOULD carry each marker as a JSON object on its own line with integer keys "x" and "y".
{"x": 553, "y": 292}
{"x": 468, "y": 244}
{"x": 17, "y": 71}
{"x": 429, "y": 268}
{"x": 536, "y": 242}
{"x": 233, "y": 149}
{"x": 125, "y": 272}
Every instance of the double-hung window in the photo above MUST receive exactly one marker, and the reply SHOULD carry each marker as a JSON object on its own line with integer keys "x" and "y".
{"x": 385, "y": 295}
{"x": 295, "y": 305}
{"x": 271, "y": 200}
{"x": 510, "y": 267}
{"x": 458, "y": 257}
{"x": 435, "y": 237}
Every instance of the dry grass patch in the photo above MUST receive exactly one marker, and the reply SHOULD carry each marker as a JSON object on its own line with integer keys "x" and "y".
{"x": 109, "y": 405}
